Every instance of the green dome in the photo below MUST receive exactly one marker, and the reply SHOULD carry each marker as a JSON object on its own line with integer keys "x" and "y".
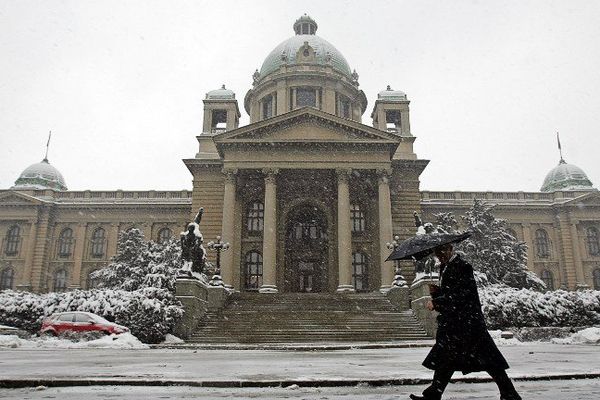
{"x": 41, "y": 176}
{"x": 286, "y": 52}
{"x": 220, "y": 94}
{"x": 391, "y": 95}
{"x": 566, "y": 177}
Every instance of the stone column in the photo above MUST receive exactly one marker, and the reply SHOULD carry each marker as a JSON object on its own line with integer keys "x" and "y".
{"x": 112, "y": 238}
{"x": 528, "y": 238}
{"x": 40, "y": 256}
{"x": 227, "y": 229}
{"x": 78, "y": 255}
{"x": 579, "y": 273}
{"x": 270, "y": 233}
{"x": 344, "y": 233}
{"x": 385, "y": 229}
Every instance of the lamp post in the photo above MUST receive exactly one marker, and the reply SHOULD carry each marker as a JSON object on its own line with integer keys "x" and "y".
{"x": 399, "y": 280}
{"x": 218, "y": 246}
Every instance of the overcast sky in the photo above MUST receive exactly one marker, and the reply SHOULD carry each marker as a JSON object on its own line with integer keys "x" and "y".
{"x": 121, "y": 83}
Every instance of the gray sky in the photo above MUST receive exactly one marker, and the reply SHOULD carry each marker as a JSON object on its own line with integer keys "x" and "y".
{"x": 121, "y": 83}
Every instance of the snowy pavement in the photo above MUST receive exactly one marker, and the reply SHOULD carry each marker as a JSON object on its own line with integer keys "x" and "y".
{"x": 254, "y": 367}
{"x": 587, "y": 389}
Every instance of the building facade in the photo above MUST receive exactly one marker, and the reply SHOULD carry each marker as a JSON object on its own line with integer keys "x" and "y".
{"x": 306, "y": 193}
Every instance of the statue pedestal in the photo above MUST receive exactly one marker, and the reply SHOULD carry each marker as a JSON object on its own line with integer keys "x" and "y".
{"x": 197, "y": 298}
{"x": 419, "y": 293}
{"x": 399, "y": 296}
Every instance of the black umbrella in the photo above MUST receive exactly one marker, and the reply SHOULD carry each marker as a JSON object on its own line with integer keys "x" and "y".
{"x": 422, "y": 245}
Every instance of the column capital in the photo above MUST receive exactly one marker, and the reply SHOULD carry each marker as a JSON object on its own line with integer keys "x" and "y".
{"x": 230, "y": 174}
{"x": 343, "y": 174}
{"x": 384, "y": 175}
{"x": 270, "y": 175}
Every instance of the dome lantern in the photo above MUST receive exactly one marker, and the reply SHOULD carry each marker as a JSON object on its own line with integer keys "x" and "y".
{"x": 305, "y": 25}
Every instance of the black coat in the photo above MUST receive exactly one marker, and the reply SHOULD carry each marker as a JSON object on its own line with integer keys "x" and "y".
{"x": 462, "y": 342}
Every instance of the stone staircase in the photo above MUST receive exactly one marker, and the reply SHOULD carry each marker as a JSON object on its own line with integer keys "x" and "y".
{"x": 308, "y": 317}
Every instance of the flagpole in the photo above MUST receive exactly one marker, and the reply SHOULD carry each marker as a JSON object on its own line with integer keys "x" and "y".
{"x": 48, "y": 146}
{"x": 559, "y": 148}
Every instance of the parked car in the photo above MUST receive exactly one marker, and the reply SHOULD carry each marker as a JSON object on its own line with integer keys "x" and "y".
{"x": 79, "y": 321}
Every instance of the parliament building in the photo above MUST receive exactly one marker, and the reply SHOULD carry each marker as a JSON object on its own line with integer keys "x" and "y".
{"x": 307, "y": 194}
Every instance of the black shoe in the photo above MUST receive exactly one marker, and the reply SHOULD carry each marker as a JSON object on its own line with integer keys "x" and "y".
{"x": 417, "y": 397}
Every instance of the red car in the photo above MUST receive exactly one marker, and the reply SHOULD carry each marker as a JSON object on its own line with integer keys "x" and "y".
{"x": 78, "y": 321}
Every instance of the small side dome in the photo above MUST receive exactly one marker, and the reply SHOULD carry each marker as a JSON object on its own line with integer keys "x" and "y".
{"x": 41, "y": 176}
{"x": 391, "y": 95}
{"x": 566, "y": 177}
{"x": 220, "y": 94}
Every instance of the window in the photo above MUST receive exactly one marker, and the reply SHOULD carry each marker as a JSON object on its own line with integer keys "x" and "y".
{"x": 254, "y": 274}
{"x": 66, "y": 317}
{"x": 306, "y": 97}
{"x": 164, "y": 235}
{"x": 65, "y": 243}
{"x": 360, "y": 274}
{"x": 307, "y": 231}
{"x": 60, "y": 280}
{"x": 343, "y": 107}
{"x": 267, "y": 106}
{"x": 596, "y": 278}
{"x": 219, "y": 121}
{"x": 80, "y": 317}
{"x": 6, "y": 278}
{"x": 548, "y": 279}
{"x": 91, "y": 282}
{"x": 591, "y": 236}
{"x": 542, "y": 244}
{"x": 357, "y": 218}
{"x": 392, "y": 121}
{"x": 98, "y": 243}
{"x": 13, "y": 239}
{"x": 255, "y": 217}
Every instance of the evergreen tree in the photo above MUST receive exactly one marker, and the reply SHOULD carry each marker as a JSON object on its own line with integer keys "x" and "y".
{"x": 139, "y": 264}
{"x": 497, "y": 255}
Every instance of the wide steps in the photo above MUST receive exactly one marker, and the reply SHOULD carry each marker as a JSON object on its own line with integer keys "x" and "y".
{"x": 310, "y": 317}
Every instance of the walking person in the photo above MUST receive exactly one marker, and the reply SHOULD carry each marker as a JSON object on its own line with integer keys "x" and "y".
{"x": 462, "y": 340}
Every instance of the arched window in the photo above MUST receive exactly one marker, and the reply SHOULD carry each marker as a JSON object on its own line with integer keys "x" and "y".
{"x": 596, "y": 278}
{"x": 13, "y": 240}
{"x": 357, "y": 218}
{"x": 65, "y": 243}
{"x": 164, "y": 235}
{"x": 360, "y": 272}
{"x": 60, "y": 280}
{"x": 255, "y": 216}
{"x": 6, "y": 278}
{"x": 542, "y": 244}
{"x": 254, "y": 270}
{"x": 548, "y": 279}
{"x": 98, "y": 243}
{"x": 593, "y": 245}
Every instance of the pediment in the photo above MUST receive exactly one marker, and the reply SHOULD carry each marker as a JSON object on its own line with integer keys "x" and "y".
{"x": 307, "y": 125}
{"x": 14, "y": 198}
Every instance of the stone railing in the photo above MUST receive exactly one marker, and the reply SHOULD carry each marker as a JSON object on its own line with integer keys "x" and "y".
{"x": 419, "y": 293}
{"x": 498, "y": 196}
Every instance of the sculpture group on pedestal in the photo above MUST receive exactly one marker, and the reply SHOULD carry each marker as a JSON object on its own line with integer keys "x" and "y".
{"x": 193, "y": 253}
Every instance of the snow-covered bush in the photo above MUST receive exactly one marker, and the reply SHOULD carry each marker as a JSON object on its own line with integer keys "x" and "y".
{"x": 504, "y": 307}
{"x": 150, "y": 313}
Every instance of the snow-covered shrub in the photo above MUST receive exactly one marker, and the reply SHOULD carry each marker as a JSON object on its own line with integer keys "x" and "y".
{"x": 504, "y": 307}
{"x": 150, "y": 313}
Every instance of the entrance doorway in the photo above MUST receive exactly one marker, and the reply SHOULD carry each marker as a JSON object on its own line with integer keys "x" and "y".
{"x": 306, "y": 250}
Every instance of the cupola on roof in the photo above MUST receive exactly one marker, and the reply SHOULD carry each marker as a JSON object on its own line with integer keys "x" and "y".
{"x": 220, "y": 94}
{"x": 285, "y": 54}
{"x": 41, "y": 175}
{"x": 566, "y": 177}
{"x": 391, "y": 95}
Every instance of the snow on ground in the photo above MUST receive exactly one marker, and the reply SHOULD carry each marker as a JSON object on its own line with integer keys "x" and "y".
{"x": 497, "y": 336}
{"x": 585, "y": 336}
{"x": 584, "y": 389}
{"x": 122, "y": 341}
{"x": 172, "y": 339}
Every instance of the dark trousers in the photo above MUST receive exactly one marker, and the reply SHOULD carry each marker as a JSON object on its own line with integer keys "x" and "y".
{"x": 441, "y": 377}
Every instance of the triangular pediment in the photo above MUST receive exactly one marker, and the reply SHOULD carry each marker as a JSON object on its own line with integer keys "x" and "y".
{"x": 15, "y": 198}
{"x": 307, "y": 125}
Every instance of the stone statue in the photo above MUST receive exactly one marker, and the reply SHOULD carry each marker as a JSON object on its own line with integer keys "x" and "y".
{"x": 193, "y": 253}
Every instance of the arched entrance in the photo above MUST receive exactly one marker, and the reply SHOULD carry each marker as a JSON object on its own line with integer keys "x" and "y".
{"x": 306, "y": 250}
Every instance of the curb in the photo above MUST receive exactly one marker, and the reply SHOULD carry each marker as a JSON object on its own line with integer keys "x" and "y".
{"x": 49, "y": 382}
{"x": 293, "y": 347}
